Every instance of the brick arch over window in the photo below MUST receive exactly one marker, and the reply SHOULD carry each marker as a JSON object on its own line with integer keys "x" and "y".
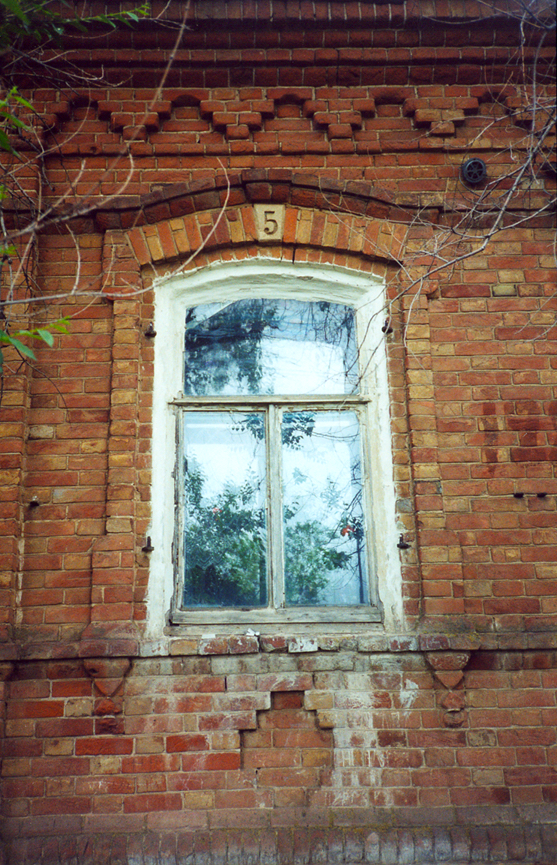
{"x": 178, "y": 221}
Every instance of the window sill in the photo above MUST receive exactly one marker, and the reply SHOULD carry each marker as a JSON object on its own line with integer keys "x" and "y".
{"x": 267, "y": 620}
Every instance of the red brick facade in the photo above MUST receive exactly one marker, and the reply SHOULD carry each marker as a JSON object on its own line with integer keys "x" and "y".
{"x": 432, "y": 740}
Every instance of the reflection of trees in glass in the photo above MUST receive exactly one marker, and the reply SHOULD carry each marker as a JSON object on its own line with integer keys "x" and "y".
{"x": 309, "y": 559}
{"x": 326, "y": 554}
{"x": 225, "y": 550}
{"x": 276, "y": 347}
{"x": 322, "y": 491}
{"x": 296, "y": 425}
{"x": 225, "y": 546}
{"x": 353, "y": 529}
{"x": 227, "y": 345}
{"x": 268, "y": 346}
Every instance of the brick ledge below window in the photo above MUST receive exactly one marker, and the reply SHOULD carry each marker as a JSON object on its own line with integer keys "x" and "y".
{"x": 540, "y": 635}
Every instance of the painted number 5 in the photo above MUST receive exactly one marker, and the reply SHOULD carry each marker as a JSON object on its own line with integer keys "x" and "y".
{"x": 270, "y": 224}
{"x": 269, "y": 221}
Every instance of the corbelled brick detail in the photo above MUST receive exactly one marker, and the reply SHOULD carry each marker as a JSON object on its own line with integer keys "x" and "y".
{"x": 447, "y": 669}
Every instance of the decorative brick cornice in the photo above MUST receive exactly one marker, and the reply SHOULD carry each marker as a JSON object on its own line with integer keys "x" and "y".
{"x": 287, "y": 120}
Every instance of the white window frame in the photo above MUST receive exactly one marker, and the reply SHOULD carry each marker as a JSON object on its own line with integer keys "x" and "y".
{"x": 264, "y": 278}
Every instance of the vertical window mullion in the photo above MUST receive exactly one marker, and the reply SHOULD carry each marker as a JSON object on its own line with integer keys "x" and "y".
{"x": 274, "y": 474}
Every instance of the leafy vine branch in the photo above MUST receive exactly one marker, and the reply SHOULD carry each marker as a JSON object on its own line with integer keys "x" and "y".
{"x": 27, "y": 28}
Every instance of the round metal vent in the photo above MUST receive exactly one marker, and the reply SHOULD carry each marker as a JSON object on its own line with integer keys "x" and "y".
{"x": 474, "y": 171}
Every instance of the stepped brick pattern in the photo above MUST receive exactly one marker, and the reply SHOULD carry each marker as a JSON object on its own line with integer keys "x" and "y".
{"x": 432, "y": 741}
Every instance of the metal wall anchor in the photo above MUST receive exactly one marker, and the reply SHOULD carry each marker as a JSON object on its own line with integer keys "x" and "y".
{"x": 148, "y": 548}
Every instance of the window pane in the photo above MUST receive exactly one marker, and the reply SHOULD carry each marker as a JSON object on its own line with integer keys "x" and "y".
{"x": 225, "y": 531}
{"x": 324, "y": 546}
{"x": 270, "y": 347}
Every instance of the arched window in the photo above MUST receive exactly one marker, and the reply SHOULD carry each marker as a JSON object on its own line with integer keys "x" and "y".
{"x": 274, "y": 446}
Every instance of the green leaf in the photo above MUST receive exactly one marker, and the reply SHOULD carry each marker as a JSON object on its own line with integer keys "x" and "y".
{"x": 46, "y": 336}
{"x": 15, "y": 121}
{"x": 4, "y": 140}
{"x": 21, "y": 347}
{"x": 104, "y": 19}
{"x": 21, "y": 101}
{"x": 15, "y": 9}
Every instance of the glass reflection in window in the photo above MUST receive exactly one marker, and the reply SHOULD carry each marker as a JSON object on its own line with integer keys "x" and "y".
{"x": 266, "y": 346}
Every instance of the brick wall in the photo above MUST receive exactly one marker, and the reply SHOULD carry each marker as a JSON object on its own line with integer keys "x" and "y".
{"x": 434, "y": 741}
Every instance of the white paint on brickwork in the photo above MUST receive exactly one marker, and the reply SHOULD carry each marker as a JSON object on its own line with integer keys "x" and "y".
{"x": 270, "y": 278}
{"x": 365, "y": 704}
{"x": 302, "y": 644}
{"x": 345, "y": 738}
{"x": 408, "y": 694}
